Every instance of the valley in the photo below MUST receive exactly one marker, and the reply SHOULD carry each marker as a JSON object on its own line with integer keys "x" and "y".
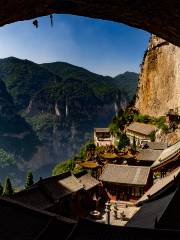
{"x": 51, "y": 110}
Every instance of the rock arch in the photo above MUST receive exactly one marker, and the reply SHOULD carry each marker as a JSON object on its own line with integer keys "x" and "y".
{"x": 160, "y": 17}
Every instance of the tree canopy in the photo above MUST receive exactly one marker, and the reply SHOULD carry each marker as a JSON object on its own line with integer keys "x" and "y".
{"x": 8, "y": 189}
{"x": 29, "y": 179}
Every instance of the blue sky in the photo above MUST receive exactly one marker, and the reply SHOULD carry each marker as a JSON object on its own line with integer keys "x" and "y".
{"x": 103, "y": 47}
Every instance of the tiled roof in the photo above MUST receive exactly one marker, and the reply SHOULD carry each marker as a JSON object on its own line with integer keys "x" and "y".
{"x": 167, "y": 154}
{"x": 123, "y": 174}
{"x": 160, "y": 185}
{"x": 157, "y": 145}
{"x": 88, "y": 181}
{"x": 141, "y": 128}
{"x": 47, "y": 191}
{"x": 160, "y": 211}
{"x": 33, "y": 197}
{"x": 71, "y": 183}
{"x": 60, "y": 186}
{"x": 150, "y": 212}
{"x": 148, "y": 155}
{"x": 101, "y": 129}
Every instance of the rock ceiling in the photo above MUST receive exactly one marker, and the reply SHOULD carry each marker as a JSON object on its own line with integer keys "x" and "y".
{"x": 161, "y": 17}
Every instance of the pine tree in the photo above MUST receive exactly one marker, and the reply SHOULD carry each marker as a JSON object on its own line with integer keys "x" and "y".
{"x": 134, "y": 147}
{"x": 123, "y": 141}
{"x": 8, "y": 190}
{"x": 1, "y": 189}
{"x": 29, "y": 179}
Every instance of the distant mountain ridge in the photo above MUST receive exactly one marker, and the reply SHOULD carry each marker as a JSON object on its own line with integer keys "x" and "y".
{"x": 128, "y": 82}
{"x": 58, "y": 105}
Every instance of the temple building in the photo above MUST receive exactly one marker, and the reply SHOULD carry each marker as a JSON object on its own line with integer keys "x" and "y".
{"x": 126, "y": 182}
{"x": 168, "y": 160}
{"x": 157, "y": 219}
{"x": 160, "y": 205}
{"x": 64, "y": 194}
{"x": 141, "y": 132}
{"x": 103, "y": 137}
{"x": 159, "y": 186}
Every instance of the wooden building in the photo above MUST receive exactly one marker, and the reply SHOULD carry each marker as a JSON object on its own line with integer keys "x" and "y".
{"x": 63, "y": 194}
{"x": 91, "y": 189}
{"x": 140, "y": 131}
{"x": 160, "y": 210}
{"x": 126, "y": 182}
{"x": 159, "y": 186}
{"x": 168, "y": 160}
{"x": 103, "y": 137}
{"x": 158, "y": 219}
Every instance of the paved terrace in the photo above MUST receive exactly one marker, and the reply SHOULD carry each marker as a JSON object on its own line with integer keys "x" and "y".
{"x": 125, "y": 211}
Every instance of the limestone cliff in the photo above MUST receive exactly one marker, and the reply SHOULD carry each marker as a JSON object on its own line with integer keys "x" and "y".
{"x": 159, "y": 82}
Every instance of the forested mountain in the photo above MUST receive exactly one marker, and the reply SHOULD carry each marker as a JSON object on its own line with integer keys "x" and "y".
{"x": 48, "y": 111}
{"x": 128, "y": 82}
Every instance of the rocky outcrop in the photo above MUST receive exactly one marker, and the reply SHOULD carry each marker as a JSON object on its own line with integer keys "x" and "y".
{"x": 154, "y": 16}
{"x": 159, "y": 82}
{"x": 169, "y": 138}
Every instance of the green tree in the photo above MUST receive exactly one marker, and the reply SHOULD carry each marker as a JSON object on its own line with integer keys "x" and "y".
{"x": 87, "y": 148}
{"x": 142, "y": 118}
{"x": 90, "y": 147}
{"x": 63, "y": 167}
{"x": 123, "y": 141}
{"x": 90, "y": 151}
{"x": 6, "y": 159}
{"x": 134, "y": 146}
{"x": 114, "y": 127}
{"x": 8, "y": 190}
{"x": 152, "y": 136}
{"x": 29, "y": 179}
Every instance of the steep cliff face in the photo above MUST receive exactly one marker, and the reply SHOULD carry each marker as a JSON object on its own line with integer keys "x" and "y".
{"x": 63, "y": 116}
{"x": 159, "y": 82}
